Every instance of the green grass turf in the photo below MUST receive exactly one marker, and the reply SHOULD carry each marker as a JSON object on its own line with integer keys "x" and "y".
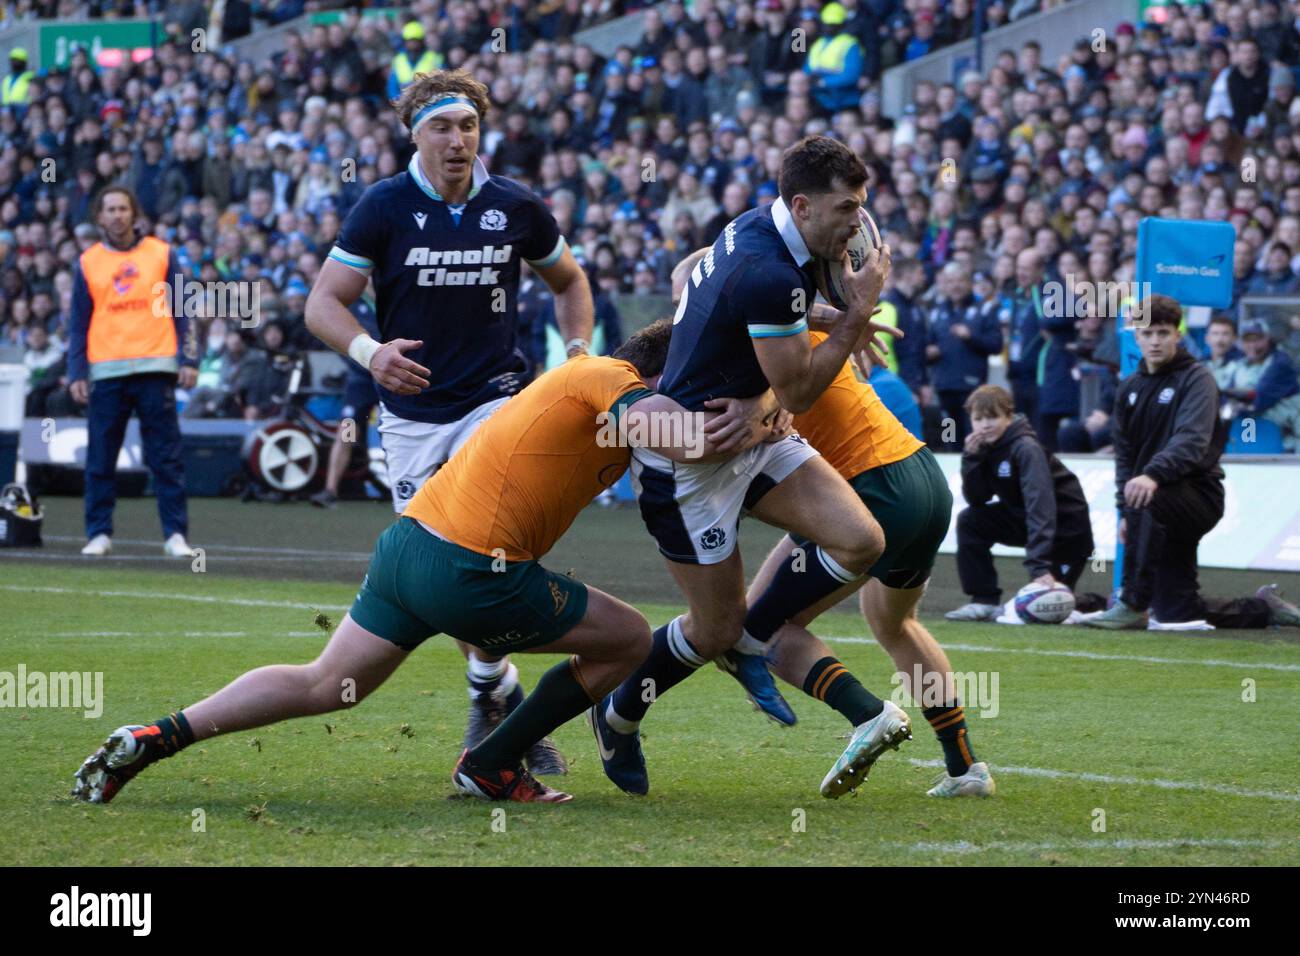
{"x": 727, "y": 785}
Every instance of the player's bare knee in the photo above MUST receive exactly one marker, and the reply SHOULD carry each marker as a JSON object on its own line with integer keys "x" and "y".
{"x": 717, "y": 630}
{"x": 862, "y": 548}
{"x": 329, "y": 690}
{"x": 639, "y": 640}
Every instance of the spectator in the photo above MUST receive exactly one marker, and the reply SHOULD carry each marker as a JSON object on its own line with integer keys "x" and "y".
{"x": 735, "y": 200}
{"x": 15, "y": 89}
{"x": 962, "y": 335}
{"x": 1264, "y": 379}
{"x": 1221, "y": 339}
{"x": 835, "y": 61}
{"x": 901, "y": 307}
{"x": 1278, "y": 277}
{"x": 1022, "y": 314}
{"x": 43, "y": 361}
{"x": 772, "y": 57}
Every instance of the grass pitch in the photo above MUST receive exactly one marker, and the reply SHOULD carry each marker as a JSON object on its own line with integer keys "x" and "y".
{"x": 1148, "y": 735}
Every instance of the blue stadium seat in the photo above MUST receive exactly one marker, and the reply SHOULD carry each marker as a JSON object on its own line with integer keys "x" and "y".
{"x": 1268, "y": 438}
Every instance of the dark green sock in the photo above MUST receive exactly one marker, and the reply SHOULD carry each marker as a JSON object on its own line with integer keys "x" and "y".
{"x": 172, "y": 735}
{"x": 830, "y": 682}
{"x": 558, "y": 697}
{"x": 949, "y": 723}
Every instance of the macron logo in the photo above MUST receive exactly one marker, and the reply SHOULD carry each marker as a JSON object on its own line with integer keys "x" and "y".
{"x": 420, "y": 218}
{"x": 103, "y": 909}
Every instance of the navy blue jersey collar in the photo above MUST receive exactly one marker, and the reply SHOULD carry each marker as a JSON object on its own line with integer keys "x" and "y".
{"x": 790, "y": 232}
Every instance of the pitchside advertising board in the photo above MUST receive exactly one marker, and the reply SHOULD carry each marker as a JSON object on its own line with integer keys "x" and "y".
{"x": 1261, "y": 520}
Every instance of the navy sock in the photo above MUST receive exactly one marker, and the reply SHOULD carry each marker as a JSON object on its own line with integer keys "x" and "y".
{"x": 830, "y": 682}
{"x": 672, "y": 659}
{"x": 558, "y": 697}
{"x": 949, "y": 724}
{"x": 807, "y": 576}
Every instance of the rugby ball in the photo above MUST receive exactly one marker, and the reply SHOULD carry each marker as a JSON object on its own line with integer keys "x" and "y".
{"x": 830, "y": 275}
{"x": 1041, "y": 604}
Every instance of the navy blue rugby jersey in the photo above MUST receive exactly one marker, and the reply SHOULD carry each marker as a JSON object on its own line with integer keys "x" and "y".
{"x": 449, "y": 276}
{"x": 752, "y": 284}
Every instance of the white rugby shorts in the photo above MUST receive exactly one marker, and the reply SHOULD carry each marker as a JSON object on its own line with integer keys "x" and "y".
{"x": 415, "y": 450}
{"x": 693, "y": 510}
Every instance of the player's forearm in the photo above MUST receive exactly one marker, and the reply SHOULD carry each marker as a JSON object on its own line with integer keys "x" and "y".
{"x": 332, "y": 322}
{"x": 801, "y": 393}
{"x": 575, "y": 312}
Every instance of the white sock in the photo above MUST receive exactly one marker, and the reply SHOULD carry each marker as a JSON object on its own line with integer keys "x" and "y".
{"x": 485, "y": 671}
{"x": 620, "y": 725}
{"x": 750, "y": 645}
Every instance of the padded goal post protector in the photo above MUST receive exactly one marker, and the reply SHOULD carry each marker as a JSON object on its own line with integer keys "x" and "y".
{"x": 1187, "y": 259}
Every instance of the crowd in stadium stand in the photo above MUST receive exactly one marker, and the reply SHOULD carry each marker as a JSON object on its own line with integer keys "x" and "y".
{"x": 988, "y": 189}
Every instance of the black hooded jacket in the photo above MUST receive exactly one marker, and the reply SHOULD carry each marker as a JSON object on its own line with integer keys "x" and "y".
{"x": 1031, "y": 482}
{"x": 1167, "y": 425}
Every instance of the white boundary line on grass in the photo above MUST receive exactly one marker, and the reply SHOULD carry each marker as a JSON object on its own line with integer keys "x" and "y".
{"x": 199, "y": 598}
{"x": 315, "y": 633}
{"x": 1224, "y": 788}
{"x": 1090, "y": 655}
{"x": 1224, "y": 843}
{"x": 217, "y": 555}
{"x": 242, "y": 548}
{"x": 295, "y": 605}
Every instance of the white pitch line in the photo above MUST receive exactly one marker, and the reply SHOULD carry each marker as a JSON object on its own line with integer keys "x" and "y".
{"x": 1198, "y": 785}
{"x": 1224, "y": 843}
{"x": 198, "y": 598}
{"x": 214, "y": 556}
{"x": 293, "y": 605}
{"x": 186, "y": 633}
{"x": 243, "y": 548}
{"x": 1091, "y": 655}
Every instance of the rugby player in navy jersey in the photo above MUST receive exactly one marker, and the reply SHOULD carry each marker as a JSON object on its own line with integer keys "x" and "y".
{"x": 741, "y": 328}
{"x": 443, "y": 242}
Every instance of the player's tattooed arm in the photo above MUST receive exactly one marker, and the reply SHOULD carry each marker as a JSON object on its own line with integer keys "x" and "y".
{"x": 329, "y": 319}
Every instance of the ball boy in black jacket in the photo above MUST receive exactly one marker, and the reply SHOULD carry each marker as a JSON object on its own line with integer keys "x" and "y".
{"x": 1040, "y": 506}
{"x": 1168, "y": 439}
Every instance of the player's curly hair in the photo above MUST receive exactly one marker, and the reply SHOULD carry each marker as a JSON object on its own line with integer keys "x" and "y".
{"x": 429, "y": 86}
{"x": 647, "y": 349}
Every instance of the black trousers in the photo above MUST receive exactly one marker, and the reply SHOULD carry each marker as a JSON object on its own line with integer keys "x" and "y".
{"x": 1048, "y": 427}
{"x": 1160, "y": 559}
{"x": 979, "y": 527}
{"x": 952, "y": 403}
{"x": 1025, "y": 394}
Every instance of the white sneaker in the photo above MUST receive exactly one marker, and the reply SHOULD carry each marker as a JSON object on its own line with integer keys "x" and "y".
{"x": 975, "y": 782}
{"x": 975, "y": 612}
{"x": 177, "y": 547}
{"x": 889, "y": 728}
{"x": 98, "y": 546}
